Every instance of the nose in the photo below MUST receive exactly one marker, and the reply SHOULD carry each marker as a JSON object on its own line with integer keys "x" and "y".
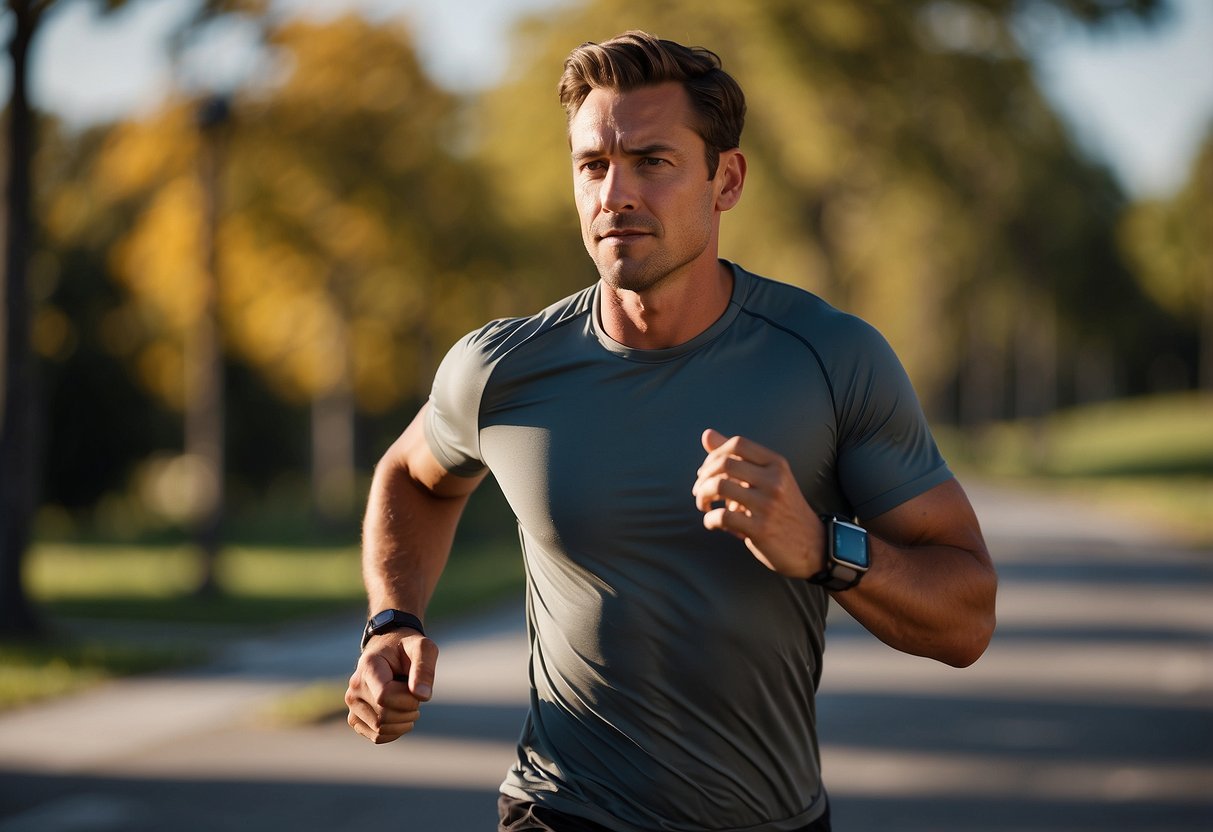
{"x": 618, "y": 191}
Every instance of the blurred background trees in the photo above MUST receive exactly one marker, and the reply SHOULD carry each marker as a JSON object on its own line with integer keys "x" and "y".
{"x": 1170, "y": 245}
{"x": 904, "y": 165}
{"x": 348, "y": 218}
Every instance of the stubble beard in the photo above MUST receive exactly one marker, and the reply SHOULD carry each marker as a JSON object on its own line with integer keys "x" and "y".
{"x": 628, "y": 274}
{"x": 622, "y": 270}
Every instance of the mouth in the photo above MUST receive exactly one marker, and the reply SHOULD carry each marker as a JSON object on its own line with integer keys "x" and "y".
{"x": 624, "y": 235}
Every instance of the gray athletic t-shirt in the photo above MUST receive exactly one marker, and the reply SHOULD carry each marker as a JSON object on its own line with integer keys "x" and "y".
{"x": 673, "y": 675}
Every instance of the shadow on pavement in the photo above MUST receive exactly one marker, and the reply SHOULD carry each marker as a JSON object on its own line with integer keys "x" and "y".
{"x": 58, "y": 804}
{"x": 928, "y": 814}
{"x": 1021, "y": 729}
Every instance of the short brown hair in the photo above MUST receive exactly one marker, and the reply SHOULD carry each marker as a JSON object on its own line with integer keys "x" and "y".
{"x": 638, "y": 59}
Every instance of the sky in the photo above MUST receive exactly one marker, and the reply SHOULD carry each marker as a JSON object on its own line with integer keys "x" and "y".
{"x": 1141, "y": 101}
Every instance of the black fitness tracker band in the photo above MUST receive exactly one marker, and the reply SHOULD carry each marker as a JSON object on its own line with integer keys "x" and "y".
{"x": 388, "y": 620}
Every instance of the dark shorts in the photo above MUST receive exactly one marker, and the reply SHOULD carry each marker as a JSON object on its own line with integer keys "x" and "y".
{"x": 523, "y": 816}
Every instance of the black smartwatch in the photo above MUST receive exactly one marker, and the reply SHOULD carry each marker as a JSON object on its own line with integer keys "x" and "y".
{"x": 847, "y": 557}
{"x": 388, "y": 620}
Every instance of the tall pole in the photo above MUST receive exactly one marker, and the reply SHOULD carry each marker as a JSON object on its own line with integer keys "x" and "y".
{"x": 204, "y": 412}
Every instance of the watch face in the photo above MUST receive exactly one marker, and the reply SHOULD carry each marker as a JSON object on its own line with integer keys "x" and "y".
{"x": 850, "y": 544}
{"x": 382, "y": 618}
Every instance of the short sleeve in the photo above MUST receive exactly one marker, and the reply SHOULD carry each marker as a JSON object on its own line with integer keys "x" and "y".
{"x": 452, "y": 424}
{"x": 886, "y": 453}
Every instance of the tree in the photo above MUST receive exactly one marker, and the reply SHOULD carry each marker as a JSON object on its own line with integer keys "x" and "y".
{"x": 352, "y": 245}
{"x": 1171, "y": 243}
{"x": 19, "y": 406}
{"x": 356, "y": 209}
{"x": 903, "y": 164}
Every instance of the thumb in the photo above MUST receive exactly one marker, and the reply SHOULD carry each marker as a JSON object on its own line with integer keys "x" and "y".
{"x": 712, "y": 439}
{"x": 423, "y": 659}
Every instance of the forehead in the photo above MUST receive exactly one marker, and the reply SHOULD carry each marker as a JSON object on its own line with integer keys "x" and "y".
{"x": 654, "y": 114}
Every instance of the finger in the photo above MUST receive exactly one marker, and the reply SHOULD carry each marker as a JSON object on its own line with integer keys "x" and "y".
{"x": 400, "y": 708}
{"x": 356, "y": 697}
{"x": 383, "y": 733}
{"x": 736, "y": 523}
{"x": 361, "y": 712}
{"x": 376, "y": 673}
{"x": 423, "y": 661}
{"x": 393, "y": 723}
{"x": 397, "y": 698}
{"x": 371, "y": 734}
{"x": 381, "y": 696}
{"x": 735, "y": 468}
{"x": 715, "y": 443}
{"x": 738, "y": 495}
{"x": 369, "y": 710}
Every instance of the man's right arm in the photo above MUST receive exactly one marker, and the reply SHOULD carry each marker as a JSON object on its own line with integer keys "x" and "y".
{"x": 412, "y": 511}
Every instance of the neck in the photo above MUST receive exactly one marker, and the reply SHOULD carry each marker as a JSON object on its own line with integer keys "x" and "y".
{"x": 668, "y": 314}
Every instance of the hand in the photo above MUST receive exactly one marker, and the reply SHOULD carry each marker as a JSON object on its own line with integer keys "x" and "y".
{"x": 763, "y": 504}
{"x": 394, "y": 676}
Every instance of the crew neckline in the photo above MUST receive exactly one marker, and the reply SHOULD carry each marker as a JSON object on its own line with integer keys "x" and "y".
{"x": 740, "y": 284}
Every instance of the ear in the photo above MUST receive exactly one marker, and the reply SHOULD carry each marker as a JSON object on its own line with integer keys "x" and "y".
{"x": 730, "y": 179}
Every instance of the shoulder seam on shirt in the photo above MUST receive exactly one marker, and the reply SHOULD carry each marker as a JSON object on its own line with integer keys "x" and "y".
{"x": 808, "y": 345}
{"x": 538, "y": 333}
{"x": 488, "y": 379}
{"x": 522, "y": 320}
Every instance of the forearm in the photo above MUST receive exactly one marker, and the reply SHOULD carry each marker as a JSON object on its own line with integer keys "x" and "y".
{"x": 407, "y": 537}
{"x": 411, "y": 515}
{"x": 931, "y": 600}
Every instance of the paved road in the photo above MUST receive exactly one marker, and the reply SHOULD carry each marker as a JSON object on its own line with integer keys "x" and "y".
{"x": 1093, "y": 710}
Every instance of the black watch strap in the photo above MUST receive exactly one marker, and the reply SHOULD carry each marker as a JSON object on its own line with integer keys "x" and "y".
{"x": 837, "y": 577}
{"x": 388, "y": 620}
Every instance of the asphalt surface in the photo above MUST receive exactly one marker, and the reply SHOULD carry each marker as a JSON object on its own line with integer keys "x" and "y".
{"x": 1092, "y": 710}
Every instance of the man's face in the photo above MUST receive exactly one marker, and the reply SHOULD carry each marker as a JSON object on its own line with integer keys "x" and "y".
{"x": 647, "y": 206}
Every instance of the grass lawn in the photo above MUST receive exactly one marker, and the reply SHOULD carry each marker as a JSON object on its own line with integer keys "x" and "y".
{"x": 1152, "y": 457}
{"x": 30, "y": 671}
{"x": 114, "y": 610}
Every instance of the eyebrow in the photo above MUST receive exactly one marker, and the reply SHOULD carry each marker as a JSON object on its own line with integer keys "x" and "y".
{"x": 654, "y": 149}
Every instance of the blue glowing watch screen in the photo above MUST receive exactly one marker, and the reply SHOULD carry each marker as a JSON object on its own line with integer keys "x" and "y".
{"x": 850, "y": 545}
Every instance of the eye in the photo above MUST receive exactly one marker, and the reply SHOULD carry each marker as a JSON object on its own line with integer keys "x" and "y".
{"x": 652, "y": 162}
{"x": 594, "y": 166}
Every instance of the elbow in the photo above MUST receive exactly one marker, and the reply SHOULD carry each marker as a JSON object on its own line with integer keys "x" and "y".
{"x": 967, "y": 650}
{"x": 960, "y": 644}
{"x": 974, "y": 635}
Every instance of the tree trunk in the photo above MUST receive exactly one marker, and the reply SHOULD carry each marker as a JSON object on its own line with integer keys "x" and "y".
{"x": 837, "y": 287}
{"x": 1036, "y": 358}
{"x": 980, "y": 393}
{"x": 333, "y": 454}
{"x": 18, "y": 406}
{"x": 334, "y": 419}
{"x": 1205, "y": 359}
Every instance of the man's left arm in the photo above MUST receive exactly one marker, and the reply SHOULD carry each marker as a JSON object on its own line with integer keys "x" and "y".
{"x": 931, "y": 584}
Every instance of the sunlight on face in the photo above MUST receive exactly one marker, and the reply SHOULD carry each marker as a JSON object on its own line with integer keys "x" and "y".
{"x": 647, "y": 206}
